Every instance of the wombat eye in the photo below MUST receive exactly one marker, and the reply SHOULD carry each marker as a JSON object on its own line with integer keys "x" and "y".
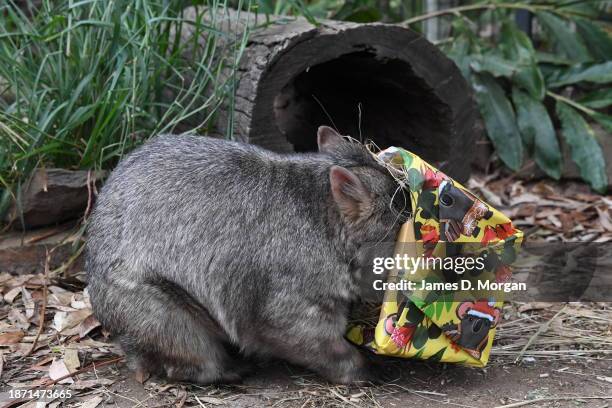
{"x": 447, "y": 200}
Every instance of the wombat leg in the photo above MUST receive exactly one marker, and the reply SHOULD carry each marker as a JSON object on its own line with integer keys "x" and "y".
{"x": 196, "y": 374}
{"x": 342, "y": 362}
{"x": 142, "y": 363}
{"x": 162, "y": 332}
{"x": 336, "y": 359}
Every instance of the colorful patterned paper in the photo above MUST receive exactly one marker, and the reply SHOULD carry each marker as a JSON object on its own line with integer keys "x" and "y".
{"x": 446, "y": 220}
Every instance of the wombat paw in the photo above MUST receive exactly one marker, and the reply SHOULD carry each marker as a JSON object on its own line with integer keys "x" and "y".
{"x": 199, "y": 375}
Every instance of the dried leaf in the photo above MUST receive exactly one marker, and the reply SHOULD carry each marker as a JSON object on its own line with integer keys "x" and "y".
{"x": 5, "y": 277}
{"x": 88, "y": 325}
{"x": 18, "y": 319}
{"x": 488, "y": 195}
{"x": 86, "y": 384}
{"x": 10, "y": 296}
{"x": 41, "y": 365}
{"x": 604, "y": 218}
{"x": 554, "y": 221}
{"x": 28, "y": 303}
{"x": 62, "y": 321}
{"x": 61, "y": 299}
{"x": 141, "y": 375}
{"x": 57, "y": 370}
{"x": 534, "y": 306}
{"x": 7, "y": 339}
{"x": 71, "y": 359}
{"x": 211, "y": 400}
{"x": 92, "y": 403}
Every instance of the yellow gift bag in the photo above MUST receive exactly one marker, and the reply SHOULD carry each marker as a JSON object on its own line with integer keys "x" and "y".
{"x": 450, "y": 312}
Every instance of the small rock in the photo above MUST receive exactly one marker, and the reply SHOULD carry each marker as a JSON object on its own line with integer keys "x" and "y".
{"x": 529, "y": 360}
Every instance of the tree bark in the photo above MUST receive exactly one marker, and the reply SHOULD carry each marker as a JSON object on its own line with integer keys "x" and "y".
{"x": 371, "y": 81}
{"x": 53, "y": 196}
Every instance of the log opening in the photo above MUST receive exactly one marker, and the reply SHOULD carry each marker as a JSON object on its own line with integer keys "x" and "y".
{"x": 364, "y": 96}
{"x": 295, "y": 77}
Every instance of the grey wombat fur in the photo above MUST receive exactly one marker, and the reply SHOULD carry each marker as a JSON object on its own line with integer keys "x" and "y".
{"x": 199, "y": 247}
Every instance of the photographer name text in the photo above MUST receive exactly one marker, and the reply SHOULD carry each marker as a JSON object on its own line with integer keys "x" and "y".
{"x": 464, "y": 284}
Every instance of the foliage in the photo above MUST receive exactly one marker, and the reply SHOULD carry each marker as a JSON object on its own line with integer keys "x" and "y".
{"x": 522, "y": 84}
{"x": 81, "y": 82}
{"x": 525, "y": 85}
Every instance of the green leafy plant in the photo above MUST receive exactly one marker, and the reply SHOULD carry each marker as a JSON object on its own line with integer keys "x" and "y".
{"x": 522, "y": 92}
{"x": 82, "y": 82}
{"x": 526, "y": 88}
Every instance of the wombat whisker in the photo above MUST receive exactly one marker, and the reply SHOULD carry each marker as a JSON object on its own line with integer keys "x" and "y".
{"x": 326, "y": 113}
{"x": 359, "y": 122}
{"x": 374, "y": 150}
{"x": 391, "y": 228}
{"x": 398, "y": 215}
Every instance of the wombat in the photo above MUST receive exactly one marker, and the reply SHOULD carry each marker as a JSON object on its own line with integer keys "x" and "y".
{"x": 200, "y": 247}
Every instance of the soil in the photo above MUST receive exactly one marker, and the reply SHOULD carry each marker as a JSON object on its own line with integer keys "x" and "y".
{"x": 565, "y": 349}
{"x": 541, "y": 383}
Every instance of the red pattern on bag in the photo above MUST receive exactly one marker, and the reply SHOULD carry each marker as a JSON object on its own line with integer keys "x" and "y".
{"x": 401, "y": 336}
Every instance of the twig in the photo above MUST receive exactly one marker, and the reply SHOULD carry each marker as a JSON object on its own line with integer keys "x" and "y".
{"x": 64, "y": 267}
{"x": 182, "y": 398}
{"x": 84, "y": 369}
{"x": 343, "y": 398}
{"x": 540, "y": 330}
{"x": 573, "y": 104}
{"x": 48, "y": 234}
{"x": 89, "y": 194}
{"x": 199, "y": 402}
{"x": 15, "y": 402}
{"x": 472, "y": 7}
{"x": 43, "y": 308}
{"x": 533, "y": 401}
{"x": 419, "y": 394}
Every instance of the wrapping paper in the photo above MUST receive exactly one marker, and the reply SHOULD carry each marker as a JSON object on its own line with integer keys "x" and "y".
{"x": 455, "y": 326}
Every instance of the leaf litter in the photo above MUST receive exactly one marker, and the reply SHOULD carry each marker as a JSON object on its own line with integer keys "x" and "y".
{"x": 48, "y": 334}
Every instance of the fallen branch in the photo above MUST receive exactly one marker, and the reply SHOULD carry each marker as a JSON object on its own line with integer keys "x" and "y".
{"x": 490, "y": 6}
{"x": 85, "y": 369}
{"x": 533, "y": 401}
{"x": 43, "y": 308}
{"x": 543, "y": 328}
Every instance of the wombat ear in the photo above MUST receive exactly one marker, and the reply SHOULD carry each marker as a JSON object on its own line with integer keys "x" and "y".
{"x": 328, "y": 139}
{"x": 352, "y": 197}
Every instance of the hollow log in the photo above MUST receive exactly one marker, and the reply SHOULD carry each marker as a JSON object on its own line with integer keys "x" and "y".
{"x": 380, "y": 82}
{"x": 53, "y": 196}
{"x": 26, "y": 252}
{"x": 376, "y": 82}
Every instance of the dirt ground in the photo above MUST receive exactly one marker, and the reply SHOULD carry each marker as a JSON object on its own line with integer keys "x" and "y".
{"x": 544, "y": 355}
{"x": 558, "y": 383}
{"x": 417, "y": 385}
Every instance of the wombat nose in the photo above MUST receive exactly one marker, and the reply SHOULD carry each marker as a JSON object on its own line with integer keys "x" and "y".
{"x": 477, "y": 326}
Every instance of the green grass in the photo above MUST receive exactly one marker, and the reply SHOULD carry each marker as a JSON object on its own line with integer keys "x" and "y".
{"x": 84, "y": 81}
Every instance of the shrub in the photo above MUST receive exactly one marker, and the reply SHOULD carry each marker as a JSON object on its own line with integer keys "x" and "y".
{"x": 82, "y": 82}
